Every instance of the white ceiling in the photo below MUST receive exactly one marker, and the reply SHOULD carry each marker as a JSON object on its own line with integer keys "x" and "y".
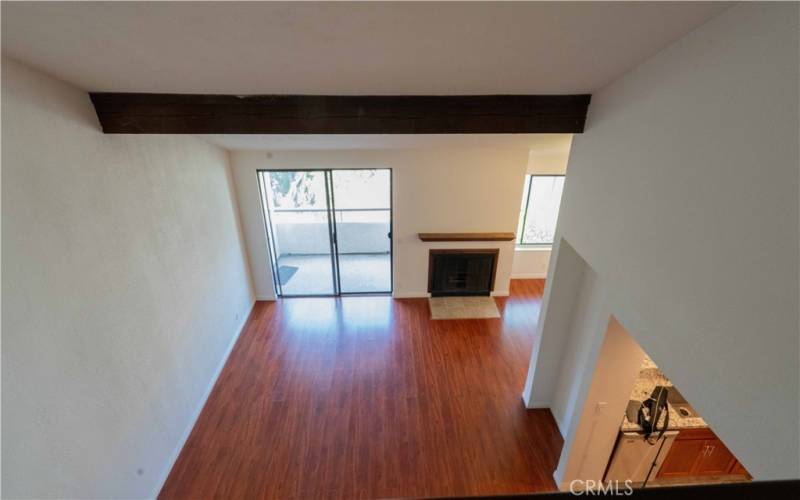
{"x": 543, "y": 143}
{"x": 343, "y": 48}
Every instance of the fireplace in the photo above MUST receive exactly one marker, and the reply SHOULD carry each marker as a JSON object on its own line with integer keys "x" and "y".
{"x": 454, "y": 272}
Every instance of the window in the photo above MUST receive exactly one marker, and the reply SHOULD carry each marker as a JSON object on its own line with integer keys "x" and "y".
{"x": 539, "y": 211}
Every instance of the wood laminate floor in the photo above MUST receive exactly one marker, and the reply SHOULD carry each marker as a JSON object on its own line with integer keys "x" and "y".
{"x": 367, "y": 397}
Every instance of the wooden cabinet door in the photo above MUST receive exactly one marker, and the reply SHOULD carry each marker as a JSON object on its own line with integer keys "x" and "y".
{"x": 715, "y": 459}
{"x": 680, "y": 461}
{"x": 739, "y": 470}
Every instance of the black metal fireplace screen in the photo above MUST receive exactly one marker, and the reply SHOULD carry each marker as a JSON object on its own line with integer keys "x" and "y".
{"x": 454, "y": 272}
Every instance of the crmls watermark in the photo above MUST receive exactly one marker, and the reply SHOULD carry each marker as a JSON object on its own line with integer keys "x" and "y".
{"x": 591, "y": 487}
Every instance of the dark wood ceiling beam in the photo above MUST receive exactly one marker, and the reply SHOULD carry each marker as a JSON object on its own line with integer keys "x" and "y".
{"x": 125, "y": 113}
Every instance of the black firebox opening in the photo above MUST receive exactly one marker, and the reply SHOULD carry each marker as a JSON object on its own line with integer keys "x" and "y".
{"x": 462, "y": 272}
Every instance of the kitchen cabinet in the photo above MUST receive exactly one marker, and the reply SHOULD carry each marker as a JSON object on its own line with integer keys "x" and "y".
{"x": 699, "y": 452}
{"x": 681, "y": 458}
{"x": 714, "y": 459}
{"x": 739, "y": 470}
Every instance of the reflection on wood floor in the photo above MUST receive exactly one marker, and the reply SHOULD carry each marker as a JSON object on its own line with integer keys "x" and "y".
{"x": 367, "y": 397}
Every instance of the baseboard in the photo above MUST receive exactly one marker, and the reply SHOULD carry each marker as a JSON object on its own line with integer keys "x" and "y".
{"x": 562, "y": 427}
{"x": 529, "y": 276}
{"x": 536, "y": 405}
{"x": 265, "y": 297}
{"x": 202, "y": 404}
{"x": 558, "y": 475}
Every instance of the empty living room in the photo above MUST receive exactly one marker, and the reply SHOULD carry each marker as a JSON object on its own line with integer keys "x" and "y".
{"x": 365, "y": 250}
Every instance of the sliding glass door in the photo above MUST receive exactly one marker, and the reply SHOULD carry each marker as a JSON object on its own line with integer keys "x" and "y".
{"x": 363, "y": 217}
{"x": 329, "y": 231}
{"x": 299, "y": 226}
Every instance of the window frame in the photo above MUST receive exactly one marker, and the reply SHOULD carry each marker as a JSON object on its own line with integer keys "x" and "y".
{"x": 526, "y": 192}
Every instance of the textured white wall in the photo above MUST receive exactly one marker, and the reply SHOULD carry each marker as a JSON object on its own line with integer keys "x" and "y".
{"x": 617, "y": 366}
{"x": 682, "y": 198}
{"x": 531, "y": 263}
{"x": 248, "y": 198}
{"x": 550, "y": 157}
{"x": 435, "y": 190}
{"x": 124, "y": 284}
{"x": 565, "y": 282}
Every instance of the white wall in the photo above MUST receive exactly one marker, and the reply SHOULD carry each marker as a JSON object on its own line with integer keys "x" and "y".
{"x": 124, "y": 284}
{"x": 590, "y": 314}
{"x": 546, "y": 158}
{"x": 595, "y": 431}
{"x": 565, "y": 285}
{"x": 434, "y": 190}
{"x": 682, "y": 197}
{"x": 551, "y": 156}
{"x": 254, "y": 230}
{"x": 531, "y": 263}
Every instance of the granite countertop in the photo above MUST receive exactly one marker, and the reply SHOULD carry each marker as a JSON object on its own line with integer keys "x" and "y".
{"x": 649, "y": 377}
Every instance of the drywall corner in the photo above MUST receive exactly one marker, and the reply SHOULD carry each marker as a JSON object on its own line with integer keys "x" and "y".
{"x": 560, "y": 299}
{"x": 199, "y": 409}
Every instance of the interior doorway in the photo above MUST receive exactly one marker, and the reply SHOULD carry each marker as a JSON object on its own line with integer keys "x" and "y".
{"x": 329, "y": 230}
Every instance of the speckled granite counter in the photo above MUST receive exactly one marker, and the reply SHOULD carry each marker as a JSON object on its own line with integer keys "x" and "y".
{"x": 649, "y": 378}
